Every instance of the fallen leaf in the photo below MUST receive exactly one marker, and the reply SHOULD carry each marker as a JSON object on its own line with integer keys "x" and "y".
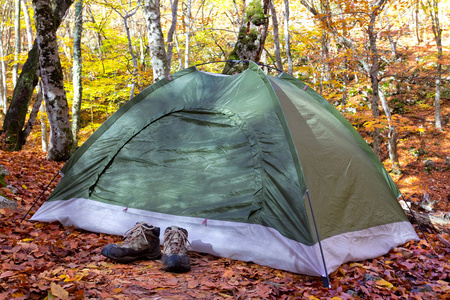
{"x": 228, "y": 273}
{"x": 384, "y": 283}
{"x": 58, "y": 291}
{"x": 6, "y": 274}
{"x": 407, "y": 265}
{"x": 405, "y": 252}
{"x": 192, "y": 284}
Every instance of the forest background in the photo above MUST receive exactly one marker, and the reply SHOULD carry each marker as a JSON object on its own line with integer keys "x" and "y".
{"x": 383, "y": 64}
{"x": 374, "y": 60}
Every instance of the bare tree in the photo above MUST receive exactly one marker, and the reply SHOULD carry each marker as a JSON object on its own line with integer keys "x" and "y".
{"x": 29, "y": 30}
{"x": 3, "y": 86}
{"x": 156, "y": 39}
{"x": 61, "y": 141}
{"x": 287, "y": 43}
{"x": 188, "y": 23}
{"x": 5, "y": 18}
{"x": 431, "y": 8}
{"x": 12, "y": 138}
{"x": 276, "y": 36}
{"x": 170, "y": 34}
{"x": 125, "y": 15}
{"x": 77, "y": 68}
{"x": 16, "y": 40}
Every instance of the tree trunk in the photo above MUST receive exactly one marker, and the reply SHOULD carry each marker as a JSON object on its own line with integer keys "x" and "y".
{"x": 125, "y": 18}
{"x": 44, "y": 136}
{"x": 156, "y": 39}
{"x": 276, "y": 36}
{"x": 3, "y": 86}
{"x": 26, "y": 15}
{"x": 32, "y": 118}
{"x": 417, "y": 22}
{"x": 373, "y": 73}
{"x": 187, "y": 20}
{"x": 392, "y": 135}
{"x": 61, "y": 140}
{"x": 15, "y": 116}
{"x": 77, "y": 68}
{"x": 173, "y": 26}
{"x": 16, "y": 41}
{"x": 432, "y": 9}
{"x": 287, "y": 43}
{"x": 251, "y": 38}
{"x": 325, "y": 70}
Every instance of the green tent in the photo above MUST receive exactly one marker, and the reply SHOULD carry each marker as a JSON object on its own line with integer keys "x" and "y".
{"x": 256, "y": 168}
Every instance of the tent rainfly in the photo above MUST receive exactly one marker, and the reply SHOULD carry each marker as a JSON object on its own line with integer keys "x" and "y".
{"x": 256, "y": 168}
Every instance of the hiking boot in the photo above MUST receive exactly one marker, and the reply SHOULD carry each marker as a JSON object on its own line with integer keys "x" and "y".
{"x": 141, "y": 242}
{"x": 175, "y": 257}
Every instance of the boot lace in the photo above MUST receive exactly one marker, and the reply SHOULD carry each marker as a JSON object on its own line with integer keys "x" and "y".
{"x": 175, "y": 241}
{"x": 137, "y": 230}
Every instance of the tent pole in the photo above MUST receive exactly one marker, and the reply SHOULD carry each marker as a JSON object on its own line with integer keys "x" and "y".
{"x": 39, "y": 196}
{"x": 239, "y": 61}
{"x": 325, "y": 279}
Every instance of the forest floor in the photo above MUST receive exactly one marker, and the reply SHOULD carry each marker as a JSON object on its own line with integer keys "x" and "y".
{"x": 40, "y": 260}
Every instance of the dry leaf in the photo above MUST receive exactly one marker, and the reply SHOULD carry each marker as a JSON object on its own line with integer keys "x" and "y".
{"x": 384, "y": 283}
{"x": 58, "y": 291}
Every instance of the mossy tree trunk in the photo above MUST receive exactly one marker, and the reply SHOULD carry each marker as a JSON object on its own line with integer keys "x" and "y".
{"x": 252, "y": 36}
{"x": 13, "y": 138}
{"x": 61, "y": 140}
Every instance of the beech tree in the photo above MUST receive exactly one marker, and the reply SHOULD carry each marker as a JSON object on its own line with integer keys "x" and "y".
{"x": 3, "y": 86}
{"x": 251, "y": 37}
{"x": 431, "y": 8}
{"x": 17, "y": 42}
{"x": 77, "y": 68}
{"x": 188, "y": 25}
{"x": 276, "y": 36}
{"x": 29, "y": 30}
{"x": 125, "y": 15}
{"x": 13, "y": 137}
{"x": 156, "y": 39}
{"x": 287, "y": 37}
{"x": 61, "y": 140}
{"x": 170, "y": 34}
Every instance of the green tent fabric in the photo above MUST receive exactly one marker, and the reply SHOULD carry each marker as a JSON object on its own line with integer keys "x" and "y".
{"x": 246, "y": 163}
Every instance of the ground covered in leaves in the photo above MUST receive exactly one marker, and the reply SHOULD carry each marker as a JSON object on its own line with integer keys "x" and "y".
{"x": 41, "y": 260}
{"x": 46, "y": 260}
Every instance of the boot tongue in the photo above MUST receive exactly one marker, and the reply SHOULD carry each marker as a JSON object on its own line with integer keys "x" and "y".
{"x": 175, "y": 241}
{"x": 135, "y": 237}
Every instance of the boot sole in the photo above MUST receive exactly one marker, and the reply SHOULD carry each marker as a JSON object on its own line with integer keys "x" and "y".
{"x": 128, "y": 259}
{"x": 176, "y": 263}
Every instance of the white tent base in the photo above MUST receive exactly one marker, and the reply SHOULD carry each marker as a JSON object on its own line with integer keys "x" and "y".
{"x": 240, "y": 241}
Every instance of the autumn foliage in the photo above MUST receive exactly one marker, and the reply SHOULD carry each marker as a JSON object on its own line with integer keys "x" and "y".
{"x": 48, "y": 261}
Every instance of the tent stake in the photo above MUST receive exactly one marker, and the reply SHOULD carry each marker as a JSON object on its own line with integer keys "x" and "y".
{"x": 39, "y": 197}
{"x": 325, "y": 279}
